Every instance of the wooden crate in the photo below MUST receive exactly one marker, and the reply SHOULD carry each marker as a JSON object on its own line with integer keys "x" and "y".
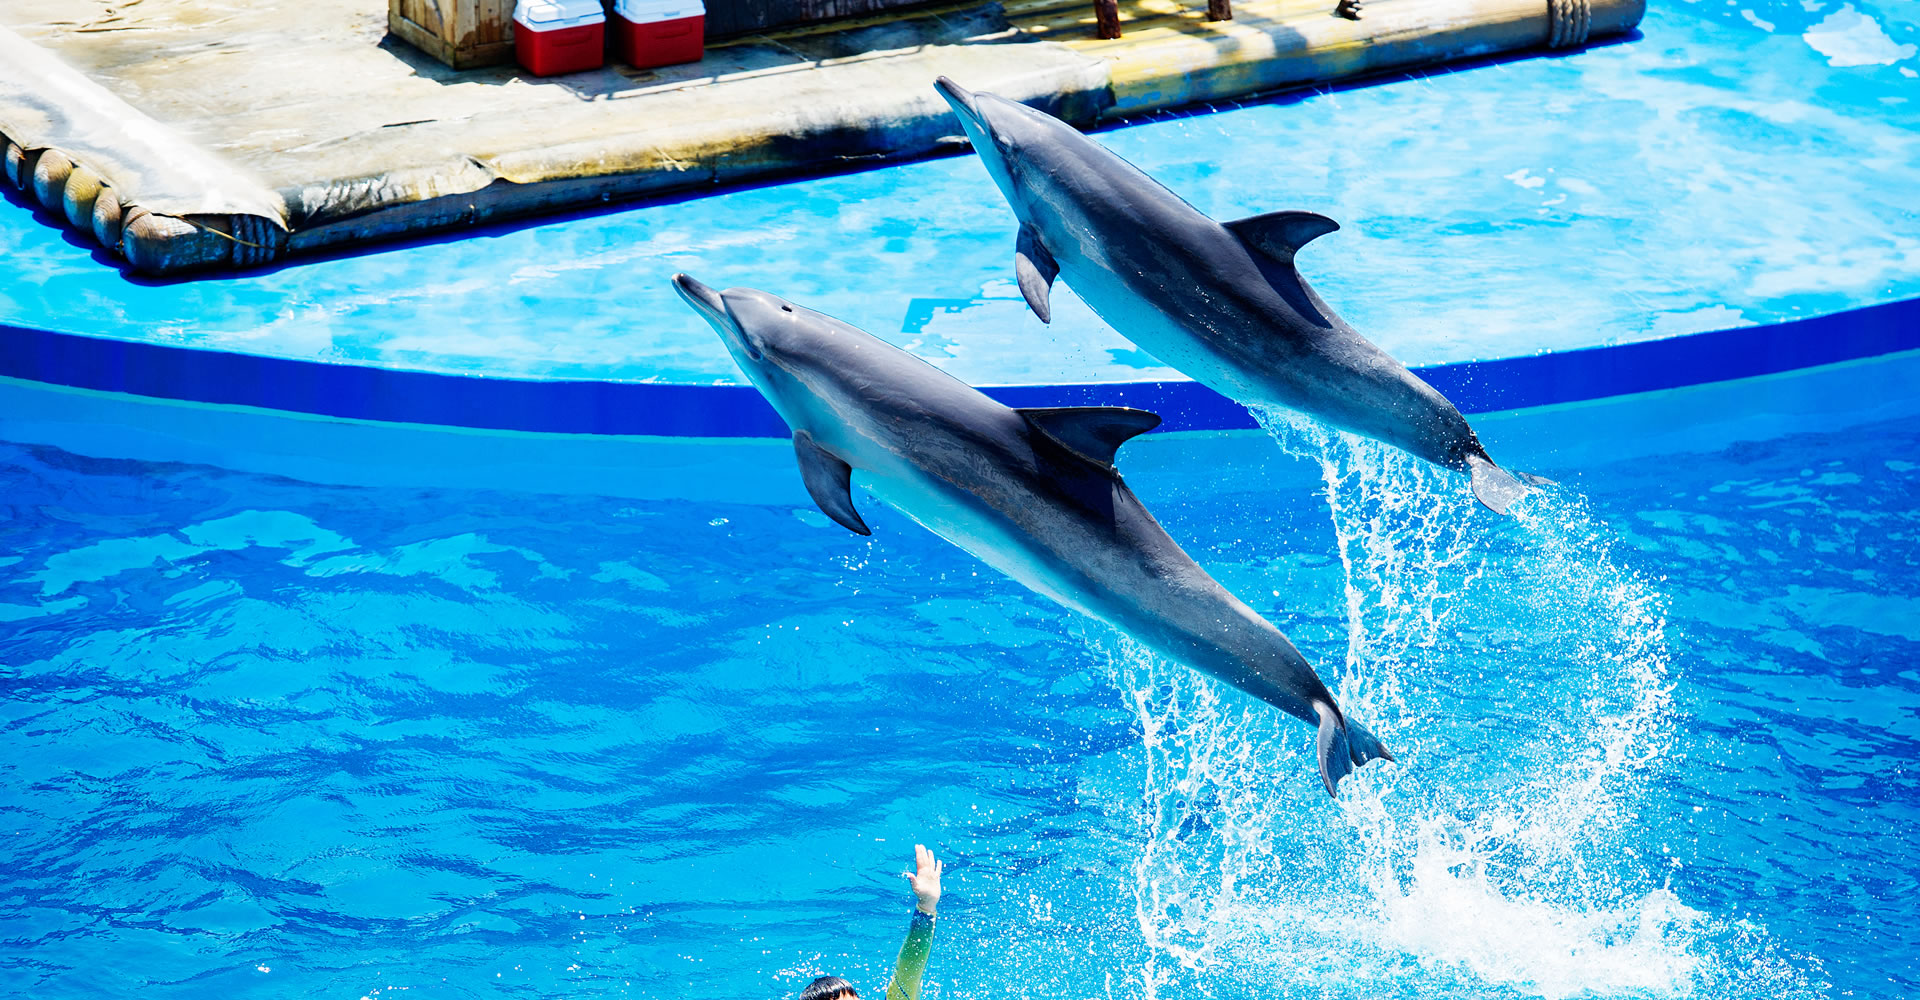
{"x": 460, "y": 33}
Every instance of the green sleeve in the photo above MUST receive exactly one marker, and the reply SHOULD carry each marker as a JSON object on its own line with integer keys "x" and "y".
{"x": 913, "y": 959}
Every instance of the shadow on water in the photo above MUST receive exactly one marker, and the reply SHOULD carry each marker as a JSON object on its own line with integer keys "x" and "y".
{"x": 58, "y": 222}
{"x": 491, "y": 229}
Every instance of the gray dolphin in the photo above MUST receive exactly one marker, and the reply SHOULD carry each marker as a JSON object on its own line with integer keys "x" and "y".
{"x": 1032, "y": 493}
{"x": 1222, "y": 303}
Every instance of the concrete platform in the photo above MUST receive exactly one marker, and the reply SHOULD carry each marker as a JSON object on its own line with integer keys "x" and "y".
{"x": 186, "y": 137}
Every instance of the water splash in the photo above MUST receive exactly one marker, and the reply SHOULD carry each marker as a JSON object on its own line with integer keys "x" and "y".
{"x": 1520, "y": 673}
{"x": 1406, "y": 549}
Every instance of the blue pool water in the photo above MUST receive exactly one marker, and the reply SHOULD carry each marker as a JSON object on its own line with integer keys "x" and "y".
{"x": 1656, "y": 738}
{"x": 264, "y": 737}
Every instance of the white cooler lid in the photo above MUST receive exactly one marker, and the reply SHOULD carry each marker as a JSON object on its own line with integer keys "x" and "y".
{"x": 552, "y": 15}
{"x": 644, "y": 11}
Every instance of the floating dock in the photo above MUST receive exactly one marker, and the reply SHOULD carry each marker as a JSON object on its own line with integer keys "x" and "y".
{"x": 186, "y": 139}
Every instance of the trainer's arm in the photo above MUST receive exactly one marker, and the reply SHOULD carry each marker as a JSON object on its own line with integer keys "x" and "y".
{"x": 912, "y": 964}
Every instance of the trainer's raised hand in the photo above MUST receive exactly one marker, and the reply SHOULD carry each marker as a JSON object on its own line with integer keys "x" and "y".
{"x": 926, "y": 880}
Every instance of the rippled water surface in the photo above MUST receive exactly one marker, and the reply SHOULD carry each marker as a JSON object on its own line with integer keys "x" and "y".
{"x": 1656, "y": 738}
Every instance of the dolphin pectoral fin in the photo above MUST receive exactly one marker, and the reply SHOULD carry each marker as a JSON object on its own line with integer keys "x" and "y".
{"x": 1092, "y": 432}
{"x": 1035, "y": 269}
{"x": 829, "y": 482}
{"x": 1279, "y": 234}
{"x": 1492, "y": 485}
{"x": 1343, "y": 746}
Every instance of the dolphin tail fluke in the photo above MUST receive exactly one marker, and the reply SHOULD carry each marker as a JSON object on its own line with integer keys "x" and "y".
{"x": 1344, "y": 746}
{"x": 1493, "y": 485}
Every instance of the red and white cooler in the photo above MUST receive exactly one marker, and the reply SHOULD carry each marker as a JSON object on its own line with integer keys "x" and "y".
{"x": 551, "y": 37}
{"x": 650, "y": 33}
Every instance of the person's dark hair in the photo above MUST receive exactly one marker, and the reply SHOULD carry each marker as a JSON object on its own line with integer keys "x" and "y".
{"x": 827, "y": 986}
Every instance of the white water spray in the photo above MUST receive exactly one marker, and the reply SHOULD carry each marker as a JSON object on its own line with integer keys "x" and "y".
{"x": 1520, "y": 675}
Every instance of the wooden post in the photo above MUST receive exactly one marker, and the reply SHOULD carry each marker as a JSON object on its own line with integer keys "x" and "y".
{"x": 1106, "y": 13}
{"x": 1219, "y": 10}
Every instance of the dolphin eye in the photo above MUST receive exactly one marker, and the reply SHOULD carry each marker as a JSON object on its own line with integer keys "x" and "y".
{"x": 753, "y": 353}
{"x": 786, "y": 308}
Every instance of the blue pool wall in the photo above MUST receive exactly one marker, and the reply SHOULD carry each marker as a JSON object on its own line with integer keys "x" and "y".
{"x": 357, "y": 392}
{"x": 1163, "y": 467}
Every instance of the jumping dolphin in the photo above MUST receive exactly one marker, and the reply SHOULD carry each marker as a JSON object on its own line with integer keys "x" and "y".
{"x": 1222, "y": 303}
{"x": 1032, "y": 493}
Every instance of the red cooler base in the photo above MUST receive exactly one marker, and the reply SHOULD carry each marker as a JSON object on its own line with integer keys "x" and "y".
{"x": 660, "y": 43}
{"x": 566, "y": 50}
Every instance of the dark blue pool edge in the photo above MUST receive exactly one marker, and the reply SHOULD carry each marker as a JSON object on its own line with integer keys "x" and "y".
{"x": 361, "y": 392}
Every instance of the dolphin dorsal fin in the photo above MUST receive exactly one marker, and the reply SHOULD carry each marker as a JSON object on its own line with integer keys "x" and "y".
{"x": 829, "y": 482}
{"x": 1092, "y": 432}
{"x": 1279, "y": 234}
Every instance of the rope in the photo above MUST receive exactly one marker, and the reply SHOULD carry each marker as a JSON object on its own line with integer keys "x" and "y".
{"x": 1568, "y": 22}
{"x": 223, "y": 235}
{"x": 247, "y": 223}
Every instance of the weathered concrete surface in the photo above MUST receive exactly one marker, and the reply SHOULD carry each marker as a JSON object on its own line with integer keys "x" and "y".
{"x": 363, "y": 137}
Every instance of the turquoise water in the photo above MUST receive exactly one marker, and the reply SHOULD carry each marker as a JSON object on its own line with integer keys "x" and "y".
{"x": 269, "y": 738}
{"x": 1656, "y": 735}
{"x": 1738, "y": 163}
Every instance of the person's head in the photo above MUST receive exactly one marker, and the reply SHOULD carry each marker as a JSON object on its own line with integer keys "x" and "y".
{"x": 829, "y": 988}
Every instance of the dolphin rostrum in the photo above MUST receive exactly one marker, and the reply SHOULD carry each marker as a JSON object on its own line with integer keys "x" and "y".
{"x": 1222, "y": 303}
{"x": 1032, "y": 493}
